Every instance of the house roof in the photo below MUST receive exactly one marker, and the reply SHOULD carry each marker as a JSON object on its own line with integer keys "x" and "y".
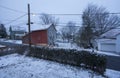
{"x": 19, "y": 34}
{"x": 35, "y": 27}
{"x": 111, "y": 34}
{"x": 18, "y": 28}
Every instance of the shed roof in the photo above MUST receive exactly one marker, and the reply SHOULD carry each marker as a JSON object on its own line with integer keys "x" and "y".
{"x": 35, "y": 27}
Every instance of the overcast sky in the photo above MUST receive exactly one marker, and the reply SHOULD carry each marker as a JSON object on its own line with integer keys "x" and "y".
{"x": 50, "y": 7}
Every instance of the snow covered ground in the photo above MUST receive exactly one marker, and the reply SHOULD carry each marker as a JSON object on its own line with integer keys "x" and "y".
{"x": 66, "y": 45}
{"x": 12, "y": 41}
{"x": 18, "y": 66}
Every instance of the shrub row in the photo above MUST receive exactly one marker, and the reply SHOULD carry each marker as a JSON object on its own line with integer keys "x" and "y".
{"x": 12, "y": 48}
{"x": 73, "y": 57}
{"x": 5, "y": 53}
{"x": 85, "y": 59}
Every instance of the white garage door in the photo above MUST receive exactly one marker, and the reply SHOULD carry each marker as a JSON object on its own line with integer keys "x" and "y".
{"x": 108, "y": 47}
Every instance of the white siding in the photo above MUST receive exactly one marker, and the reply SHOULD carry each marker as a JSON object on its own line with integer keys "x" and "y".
{"x": 99, "y": 46}
{"x": 51, "y": 35}
{"x": 108, "y": 47}
{"x": 118, "y": 44}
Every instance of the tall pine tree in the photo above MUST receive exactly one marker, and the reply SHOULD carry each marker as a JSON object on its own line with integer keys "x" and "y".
{"x": 3, "y": 33}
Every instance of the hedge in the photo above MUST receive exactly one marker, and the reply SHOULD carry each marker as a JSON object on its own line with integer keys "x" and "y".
{"x": 93, "y": 61}
{"x": 86, "y": 59}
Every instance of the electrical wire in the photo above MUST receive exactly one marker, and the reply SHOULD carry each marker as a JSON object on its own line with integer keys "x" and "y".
{"x": 11, "y": 9}
{"x": 12, "y": 20}
{"x": 16, "y": 19}
{"x": 41, "y": 14}
{"x": 77, "y": 25}
{"x": 23, "y": 23}
{"x": 51, "y": 14}
{"x": 74, "y": 14}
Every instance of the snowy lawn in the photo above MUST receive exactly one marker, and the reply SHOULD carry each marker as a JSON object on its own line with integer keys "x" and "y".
{"x": 11, "y": 41}
{"x": 14, "y": 41}
{"x": 18, "y": 66}
{"x": 66, "y": 45}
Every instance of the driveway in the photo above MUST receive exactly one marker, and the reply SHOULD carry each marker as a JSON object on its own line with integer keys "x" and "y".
{"x": 113, "y": 62}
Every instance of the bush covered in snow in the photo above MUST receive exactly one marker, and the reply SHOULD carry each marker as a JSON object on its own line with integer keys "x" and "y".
{"x": 73, "y": 57}
{"x": 85, "y": 59}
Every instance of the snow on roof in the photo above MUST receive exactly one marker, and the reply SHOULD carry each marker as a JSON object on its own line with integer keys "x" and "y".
{"x": 111, "y": 34}
{"x": 19, "y": 34}
{"x": 35, "y": 27}
{"x": 18, "y": 28}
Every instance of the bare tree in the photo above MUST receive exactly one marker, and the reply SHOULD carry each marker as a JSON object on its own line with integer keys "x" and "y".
{"x": 64, "y": 33}
{"x": 68, "y": 32}
{"x": 48, "y": 19}
{"x": 98, "y": 21}
{"x": 71, "y": 30}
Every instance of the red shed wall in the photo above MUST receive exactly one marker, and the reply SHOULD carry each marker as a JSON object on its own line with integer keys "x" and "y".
{"x": 37, "y": 37}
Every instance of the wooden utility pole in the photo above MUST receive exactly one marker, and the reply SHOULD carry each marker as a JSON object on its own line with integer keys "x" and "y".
{"x": 29, "y": 22}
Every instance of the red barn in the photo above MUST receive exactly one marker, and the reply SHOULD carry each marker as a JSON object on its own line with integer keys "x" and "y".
{"x": 42, "y": 35}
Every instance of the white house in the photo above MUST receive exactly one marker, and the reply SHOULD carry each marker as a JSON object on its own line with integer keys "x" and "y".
{"x": 17, "y": 32}
{"x": 118, "y": 44}
{"x": 110, "y": 42}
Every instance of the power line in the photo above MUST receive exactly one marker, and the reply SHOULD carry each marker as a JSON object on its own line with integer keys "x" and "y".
{"x": 52, "y": 14}
{"x": 76, "y": 24}
{"x": 81, "y": 26}
{"x": 12, "y": 20}
{"x": 61, "y": 14}
{"x": 16, "y": 19}
{"x": 24, "y": 23}
{"x": 68, "y": 26}
{"x": 61, "y": 25}
{"x": 74, "y": 14}
{"x": 11, "y": 9}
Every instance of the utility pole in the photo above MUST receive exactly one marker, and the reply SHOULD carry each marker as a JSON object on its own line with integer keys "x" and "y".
{"x": 29, "y": 22}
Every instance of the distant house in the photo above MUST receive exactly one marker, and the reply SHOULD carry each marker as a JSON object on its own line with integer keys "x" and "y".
{"x": 41, "y": 35}
{"x": 16, "y": 33}
{"x": 110, "y": 41}
{"x": 59, "y": 36}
